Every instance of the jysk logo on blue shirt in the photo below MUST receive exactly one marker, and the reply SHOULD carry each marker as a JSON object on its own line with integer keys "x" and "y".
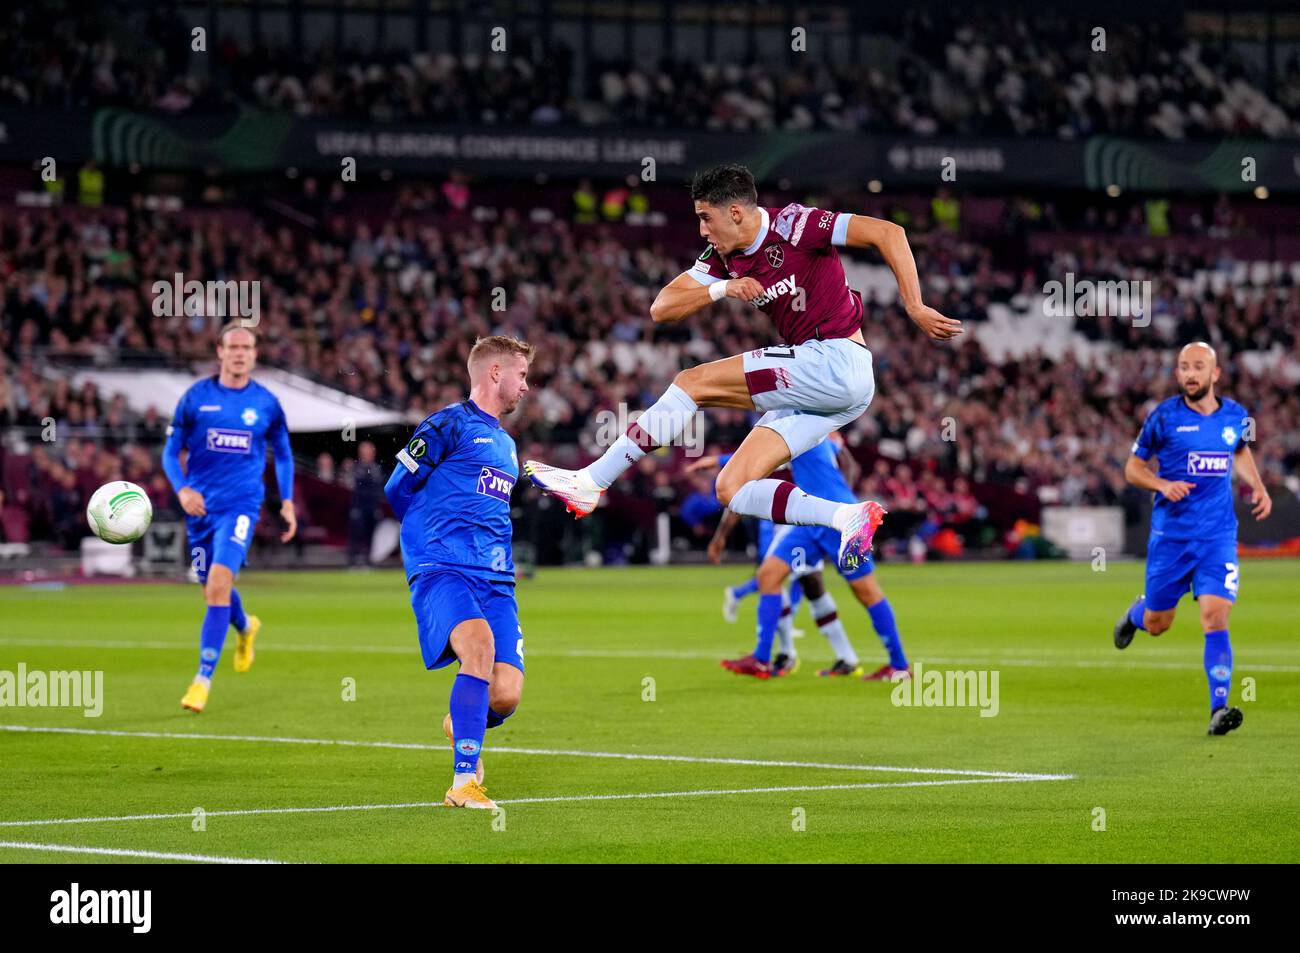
{"x": 495, "y": 483}
{"x": 1208, "y": 463}
{"x": 223, "y": 440}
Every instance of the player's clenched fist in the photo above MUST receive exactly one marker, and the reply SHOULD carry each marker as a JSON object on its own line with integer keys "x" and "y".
{"x": 192, "y": 502}
{"x": 1175, "y": 490}
{"x": 746, "y": 289}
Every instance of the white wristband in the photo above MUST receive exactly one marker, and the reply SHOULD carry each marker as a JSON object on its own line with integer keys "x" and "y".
{"x": 718, "y": 290}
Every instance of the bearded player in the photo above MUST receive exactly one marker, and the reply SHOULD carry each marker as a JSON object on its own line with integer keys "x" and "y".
{"x": 1198, "y": 440}
{"x": 784, "y": 262}
{"x": 451, "y": 490}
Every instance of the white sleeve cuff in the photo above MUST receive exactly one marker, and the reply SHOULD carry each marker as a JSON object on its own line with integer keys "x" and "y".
{"x": 840, "y": 231}
{"x": 703, "y": 277}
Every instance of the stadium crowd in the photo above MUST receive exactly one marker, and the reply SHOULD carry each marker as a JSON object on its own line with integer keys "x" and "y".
{"x": 389, "y": 314}
{"x": 931, "y": 73}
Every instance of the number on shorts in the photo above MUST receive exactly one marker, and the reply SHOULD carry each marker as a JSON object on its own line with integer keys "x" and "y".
{"x": 519, "y": 648}
{"x": 241, "y": 528}
{"x": 1230, "y": 580}
{"x": 785, "y": 353}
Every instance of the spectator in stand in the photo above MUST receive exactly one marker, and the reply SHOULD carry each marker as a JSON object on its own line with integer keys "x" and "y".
{"x": 367, "y": 501}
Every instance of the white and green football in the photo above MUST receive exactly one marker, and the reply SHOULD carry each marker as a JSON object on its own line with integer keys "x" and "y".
{"x": 119, "y": 512}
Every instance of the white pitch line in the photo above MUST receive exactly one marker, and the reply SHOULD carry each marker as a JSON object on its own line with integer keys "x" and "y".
{"x": 710, "y": 792}
{"x": 242, "y": 812}
{"x": 543, "y": 752}
{"x": 1049, "y": 660}
{"x": 122, "y": 852}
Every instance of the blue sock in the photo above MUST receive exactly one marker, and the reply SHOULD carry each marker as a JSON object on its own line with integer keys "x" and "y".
{"x": 745, "y": 588}
{"x": 212, "y": 637}
{"x": 1218, "y": 667}
{"x": 796, "y": 595}
{"x": 469, "y": 709}
{"x": 494, "y": 720}
{"x": 237, "y": 617}
{"x": 882, "y": 619}
{"x": 769, "y": 614}
{"x": 1135, "y": 612}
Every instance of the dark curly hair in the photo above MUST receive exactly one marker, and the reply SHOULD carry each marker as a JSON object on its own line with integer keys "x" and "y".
{"x": 724, "y": 184}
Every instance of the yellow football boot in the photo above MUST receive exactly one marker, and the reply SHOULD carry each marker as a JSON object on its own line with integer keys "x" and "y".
{"x": 470, "y": 794}
{"x": 446, "y": 730}
{"x": 196, "y": 696}
{"x": 244, "y": 644}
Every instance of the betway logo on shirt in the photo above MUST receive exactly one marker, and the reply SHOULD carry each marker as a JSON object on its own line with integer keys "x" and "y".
{"x": 495, "y": 483}
{"x": 1212, "y": 463}
{"x": 786, "y": 286}
{"x": 222, "y": 440}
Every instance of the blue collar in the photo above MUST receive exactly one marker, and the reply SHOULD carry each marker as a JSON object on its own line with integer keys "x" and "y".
{"x": 488, "y": 418}
{"x": 216, "y": 379}
{"x": 1182, "y": 401}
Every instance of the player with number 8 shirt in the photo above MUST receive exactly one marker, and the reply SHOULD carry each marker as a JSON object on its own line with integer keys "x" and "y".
{"x": 223, "y": 424}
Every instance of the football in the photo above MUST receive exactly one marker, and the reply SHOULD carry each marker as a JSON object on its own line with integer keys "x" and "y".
{"x": 119, "y": 512}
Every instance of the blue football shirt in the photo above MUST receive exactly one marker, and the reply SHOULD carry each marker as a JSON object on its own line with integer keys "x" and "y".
{"x": 1196, "y": 448}
{"x": 226, "y": 431}
{"x": 451, "y": 490}
{"x": 816, "y": 471}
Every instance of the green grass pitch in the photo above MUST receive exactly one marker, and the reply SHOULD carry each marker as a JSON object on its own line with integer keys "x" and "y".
{"x": 1126, "y": 728}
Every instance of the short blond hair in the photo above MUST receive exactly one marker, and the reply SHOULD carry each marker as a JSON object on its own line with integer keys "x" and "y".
{"x": 236, "y": 325}
{"x": 496, "y": 345}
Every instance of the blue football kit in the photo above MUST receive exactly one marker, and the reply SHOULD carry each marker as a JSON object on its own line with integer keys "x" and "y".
{"x": 451, "y": 490}
{"x": 1193, "y": 541}
{"x": 225, "y": 432}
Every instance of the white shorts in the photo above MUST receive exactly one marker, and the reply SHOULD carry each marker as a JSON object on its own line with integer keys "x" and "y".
{"x": 809, "y": 390}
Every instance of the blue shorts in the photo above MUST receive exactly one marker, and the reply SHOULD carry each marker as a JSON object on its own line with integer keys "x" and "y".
{"x": 445, "y": 598}
{"x": 1209, "y": 567}
{"x": 803, "y": 548}
{"x": 220, "y": 538}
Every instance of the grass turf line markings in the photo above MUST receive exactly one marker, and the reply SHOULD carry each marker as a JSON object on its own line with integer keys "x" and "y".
{"x": 542, "y": 752}
{"x": 559, "y": 799}
{"x": 125, "y": 852}
{"x": 1048, "y": 659}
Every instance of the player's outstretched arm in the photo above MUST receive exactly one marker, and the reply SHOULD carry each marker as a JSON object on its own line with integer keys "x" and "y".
{"x": 891, "y": 241}
{"x": 684, "y": 295}
{"x": 1244, "y": 464}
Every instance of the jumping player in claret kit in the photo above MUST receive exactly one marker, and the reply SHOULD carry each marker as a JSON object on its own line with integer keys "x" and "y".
{"x": 1198, "y": 440}
{"x": 783, "y": 261}
{"x": 451, "y": 490}
{"x": 224, "y": 424}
